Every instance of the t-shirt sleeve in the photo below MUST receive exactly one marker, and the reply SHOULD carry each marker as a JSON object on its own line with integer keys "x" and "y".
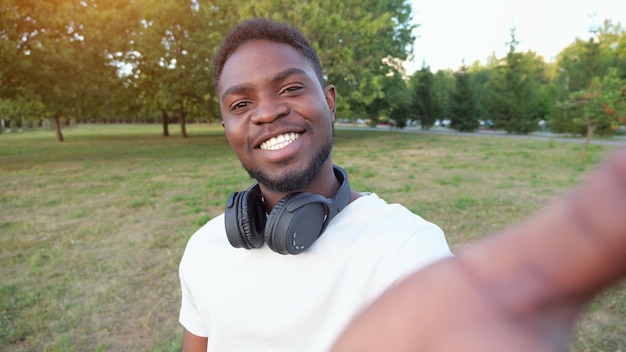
{"x": 189, "y": 316}
{"x": 424, "y": 247}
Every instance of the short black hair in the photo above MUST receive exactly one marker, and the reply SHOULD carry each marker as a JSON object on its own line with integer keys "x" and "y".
{"x": 261, "y": 28}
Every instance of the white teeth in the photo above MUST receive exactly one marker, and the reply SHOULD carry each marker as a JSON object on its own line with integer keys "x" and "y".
{"x": 279, "y": 142}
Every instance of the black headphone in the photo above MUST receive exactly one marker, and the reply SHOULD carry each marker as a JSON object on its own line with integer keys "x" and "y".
{"x": 292, "y": 226}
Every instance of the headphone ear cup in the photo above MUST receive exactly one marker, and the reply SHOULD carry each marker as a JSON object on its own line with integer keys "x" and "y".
{"x": 272, "y": 221}
{"x": 245, "y": 218}
{"x": 295, "y": 223}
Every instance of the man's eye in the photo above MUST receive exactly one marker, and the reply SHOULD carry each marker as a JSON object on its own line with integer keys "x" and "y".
{"x": 291, "y": 89}
{"x": 239, "y": 105}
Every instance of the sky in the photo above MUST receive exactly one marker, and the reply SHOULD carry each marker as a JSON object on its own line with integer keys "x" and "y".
{"x": 451, "y": 31}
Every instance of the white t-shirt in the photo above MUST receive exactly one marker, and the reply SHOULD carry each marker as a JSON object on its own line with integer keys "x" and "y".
{"x": 259, "y": 300}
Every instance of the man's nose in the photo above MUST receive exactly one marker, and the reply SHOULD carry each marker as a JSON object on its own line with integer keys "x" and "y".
{"x": 269, "y": 109}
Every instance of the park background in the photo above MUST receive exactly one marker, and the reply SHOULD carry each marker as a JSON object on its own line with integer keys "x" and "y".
{"x": 98, "y": 193}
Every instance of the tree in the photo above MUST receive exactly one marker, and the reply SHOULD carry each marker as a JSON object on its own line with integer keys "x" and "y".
{"x": 577, "y": 65}
{"x": 397, "y": 99}
{"x": 61, "y": 54}
{"x": 612, "y": 42}
{"x": 172, "y": 49}
{"x": 463, "y": 112}
{"x": 444, "y": 84}
{"x": 19, "y": 111}
{"x": 101, "y": 59}
{"x": 479, "y": 76}
{"x": 359, "y": 42}
{"x": 514, "y": 98}
{"x": 602, "y": 103}
{"x": 424, "y": 107}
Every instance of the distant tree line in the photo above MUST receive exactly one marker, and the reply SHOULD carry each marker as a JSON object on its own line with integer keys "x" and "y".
{"x": 582, "y": 92}
{"x": 142, "y": 61}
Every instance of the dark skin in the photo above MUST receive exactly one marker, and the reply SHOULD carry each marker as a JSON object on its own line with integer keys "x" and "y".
{"x": 277, "y": 117}
{"x": 267, "y": 90}
{"x": 519, "y": 290}
{"x": 194, "y": 343}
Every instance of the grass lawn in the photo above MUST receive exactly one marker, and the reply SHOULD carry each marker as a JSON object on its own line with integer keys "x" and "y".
{"x": 92, "y": 229}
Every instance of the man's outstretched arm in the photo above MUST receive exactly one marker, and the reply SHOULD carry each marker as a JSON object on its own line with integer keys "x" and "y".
{"x": 518, "y": 290}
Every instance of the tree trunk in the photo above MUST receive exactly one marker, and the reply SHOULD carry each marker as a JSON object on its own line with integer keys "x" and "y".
{"x": 183, "y": 123}
{"x": 165, "y": 121}
{"x": 57, "y": 128}
{"x": 590, "y": 128}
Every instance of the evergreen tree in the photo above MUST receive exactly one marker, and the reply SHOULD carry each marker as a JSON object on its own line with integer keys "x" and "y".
{"x": 479, "y": 76}
{"x": 463, "y": 112}
{"x": 394, "y": 103}
{"x": 514, "y": 97}
{"x": 424, "y": 106}
{"x": 443, "y": 86}
{"x": 398, "y": 97}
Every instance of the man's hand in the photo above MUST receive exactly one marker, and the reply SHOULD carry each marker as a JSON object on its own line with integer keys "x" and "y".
{"x": 519, "y": 290}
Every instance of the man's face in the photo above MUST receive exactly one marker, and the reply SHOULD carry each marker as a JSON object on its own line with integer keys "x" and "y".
{"x": 277, "y": 117}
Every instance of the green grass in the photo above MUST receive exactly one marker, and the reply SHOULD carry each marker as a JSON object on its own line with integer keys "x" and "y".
{"x": 92, "y": 229}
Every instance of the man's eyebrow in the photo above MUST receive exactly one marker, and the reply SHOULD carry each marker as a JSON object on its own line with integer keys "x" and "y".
{"x": 236, "y": 89}
{"x": 279, "y": 77}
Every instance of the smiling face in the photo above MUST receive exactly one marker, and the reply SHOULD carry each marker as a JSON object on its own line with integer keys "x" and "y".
{"x": 276, "y": 115}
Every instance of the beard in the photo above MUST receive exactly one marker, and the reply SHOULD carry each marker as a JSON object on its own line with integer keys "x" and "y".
{"x": 294, "y": 180}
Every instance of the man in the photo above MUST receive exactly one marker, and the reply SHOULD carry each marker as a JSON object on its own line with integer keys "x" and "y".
{"x": 277, "y": 115}
{"x": 518, "y": 291}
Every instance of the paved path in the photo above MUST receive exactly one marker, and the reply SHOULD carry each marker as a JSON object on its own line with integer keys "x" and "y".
{"x": 617, "y": 140}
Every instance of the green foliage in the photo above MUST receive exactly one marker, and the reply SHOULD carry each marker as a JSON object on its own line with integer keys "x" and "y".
{"x": 575, "y": 69}
{"x": 21, "y": 109}
{"x": 425, "y": 107}
{"x": 172, "y": 48}
{"x": 602, "y": 104}
{"x": 394, "y": 104}
{"x": 513, "y": 100}
{"x": 463, "y": 112}
{"x": 444, "y": 84}
{"x": 479, "y": 78}
{"x": 147, "y": 61}
{"x": 359, "y": 42}
{"x": 111, "y": 61}
{"x": 60, "y": 55}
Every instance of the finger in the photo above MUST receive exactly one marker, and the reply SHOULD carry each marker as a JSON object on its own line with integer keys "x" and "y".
{"x": 567, "y": 251}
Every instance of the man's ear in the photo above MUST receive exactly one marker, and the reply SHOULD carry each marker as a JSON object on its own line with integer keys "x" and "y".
{"x": 225, "y": 134}
{"x": 331, "y": 98}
